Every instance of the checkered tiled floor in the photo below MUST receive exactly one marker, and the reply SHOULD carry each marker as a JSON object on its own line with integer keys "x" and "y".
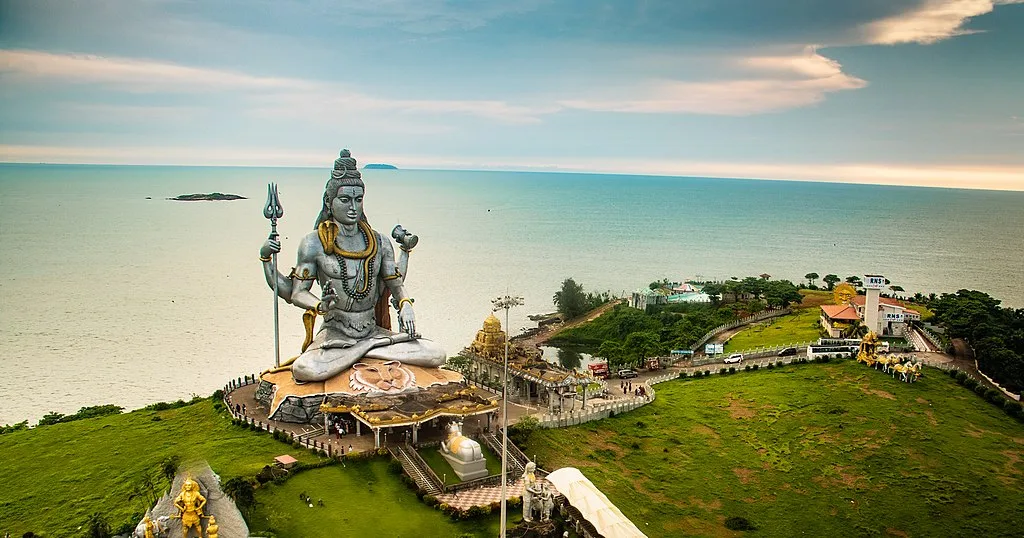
{"x": 466, "y": 499}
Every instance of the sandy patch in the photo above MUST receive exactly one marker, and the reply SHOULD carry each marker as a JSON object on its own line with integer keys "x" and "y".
{"x": 745, "y": 475}
{"x": 921, "y": 400}
{"x": 739, "y": 409}
{"x": 1010, "y": 472}
{"x": 710, "y": 506}
{"x": 896, "y": 532}
{"x": 706, "y": 431}
{"x": 931, "y": 417}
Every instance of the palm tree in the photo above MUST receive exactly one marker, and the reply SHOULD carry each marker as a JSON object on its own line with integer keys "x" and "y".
{"x": 855, "y": 329}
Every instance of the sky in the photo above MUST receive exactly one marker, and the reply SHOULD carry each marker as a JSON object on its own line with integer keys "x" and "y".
{"x": 912, "y": 92}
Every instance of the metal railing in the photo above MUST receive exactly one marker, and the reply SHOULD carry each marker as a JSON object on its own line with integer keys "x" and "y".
{"x": 760, "y": 316}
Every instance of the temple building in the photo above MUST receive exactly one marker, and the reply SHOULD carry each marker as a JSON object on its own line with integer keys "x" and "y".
{"x": 531, "y": 379}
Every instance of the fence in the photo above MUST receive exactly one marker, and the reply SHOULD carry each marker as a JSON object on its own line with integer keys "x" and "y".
{"x": 561, "y": 420}
{"x": 301, "y": 438}
{"x": 760, "y": 316}
{"x": 754, "y": 353}
{"x": 930, "y": 336}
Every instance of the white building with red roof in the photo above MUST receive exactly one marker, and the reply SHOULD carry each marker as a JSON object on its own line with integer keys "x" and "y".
{"x": 884, "y": 316}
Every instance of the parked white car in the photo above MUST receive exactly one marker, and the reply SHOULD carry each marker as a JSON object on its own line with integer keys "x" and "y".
{"x": 735, "y": 358}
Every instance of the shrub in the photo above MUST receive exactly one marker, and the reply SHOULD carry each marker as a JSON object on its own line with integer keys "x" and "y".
{"x": 8, "y": 428}
{"x": 635, "y": 445}
{"x": 682, "y": 375}
{"x": 707, "y": 372}
{"x": 476, "y": 511}
{"x": 218, "y": 395}
{"x": 739, "y": 524}
{"x": 722, "y": 371}
{"x": 395, "y": 467}
{"x": 961, "y": 376}
{"x": 980, "y": 389}
{"x": 994, "y": 396}
{"x": 746, "y": 368}
{"x": 732, "y": 369}
{"x": 771, "y": 365}
{"x": 521, "y": 431}
{"x": 756, "y": 366}
{"x": 430, "y": 500}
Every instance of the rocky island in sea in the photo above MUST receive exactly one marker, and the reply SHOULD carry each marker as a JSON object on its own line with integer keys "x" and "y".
{"x": 213, "y": 196}
{"x": 380, "y": 166}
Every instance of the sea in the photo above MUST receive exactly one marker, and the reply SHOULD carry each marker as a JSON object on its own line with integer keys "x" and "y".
{"x": 111, "y": 293}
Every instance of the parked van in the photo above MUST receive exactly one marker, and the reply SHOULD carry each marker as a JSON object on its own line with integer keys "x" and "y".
{"x": 627, "y": 373}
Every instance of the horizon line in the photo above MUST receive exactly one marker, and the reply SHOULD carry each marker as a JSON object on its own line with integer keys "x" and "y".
{"x": 541, "y": 170}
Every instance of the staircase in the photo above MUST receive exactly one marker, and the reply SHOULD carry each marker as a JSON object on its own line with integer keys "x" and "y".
{"x": 416, "y": 469}
{"x": 516, "y": 459}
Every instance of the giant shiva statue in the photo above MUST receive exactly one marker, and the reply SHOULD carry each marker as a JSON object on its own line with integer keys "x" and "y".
{"x": 356, "y": 270}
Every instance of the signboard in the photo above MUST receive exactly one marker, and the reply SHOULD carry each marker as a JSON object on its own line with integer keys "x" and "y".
{"x": 875, "y": 282}
{"x": 599, "y": 369}
{"x": 682, "y": 352}
{"x": 894, "y": 316}
{"x": 712, "y": 349}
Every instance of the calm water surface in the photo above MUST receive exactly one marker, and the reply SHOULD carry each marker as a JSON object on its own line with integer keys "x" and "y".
{"x": 109, "y": 297}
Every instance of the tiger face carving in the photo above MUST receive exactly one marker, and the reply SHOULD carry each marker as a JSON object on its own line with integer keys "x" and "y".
{"x": 389, "y": 377}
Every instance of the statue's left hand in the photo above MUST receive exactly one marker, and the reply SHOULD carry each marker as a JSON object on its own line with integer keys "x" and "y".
{"x": 407, "y": 318}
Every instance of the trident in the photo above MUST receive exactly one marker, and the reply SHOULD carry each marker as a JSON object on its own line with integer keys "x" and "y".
{"x": 273, "y": 211}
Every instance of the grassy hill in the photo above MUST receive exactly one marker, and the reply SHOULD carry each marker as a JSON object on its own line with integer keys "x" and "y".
{"x": 55, "y": 477}
{"x": 817, "y": 450}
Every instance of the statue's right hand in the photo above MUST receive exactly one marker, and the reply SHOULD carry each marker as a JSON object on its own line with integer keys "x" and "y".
{"x": 271, "y": 247}
{"x": 328, "y": 298}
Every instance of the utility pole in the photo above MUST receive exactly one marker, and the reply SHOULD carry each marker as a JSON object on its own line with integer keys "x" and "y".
{"x": 505, "y": 303}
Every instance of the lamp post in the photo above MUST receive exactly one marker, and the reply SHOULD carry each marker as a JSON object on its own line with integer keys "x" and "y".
{"x": 505, "y": 303}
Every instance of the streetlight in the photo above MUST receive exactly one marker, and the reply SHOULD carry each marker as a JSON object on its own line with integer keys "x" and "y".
{"x": 505, "y": 303}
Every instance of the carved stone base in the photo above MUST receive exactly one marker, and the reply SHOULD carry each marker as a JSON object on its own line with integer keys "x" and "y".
{"x": 289, "y": 401}
{"x": 467, "y": 471}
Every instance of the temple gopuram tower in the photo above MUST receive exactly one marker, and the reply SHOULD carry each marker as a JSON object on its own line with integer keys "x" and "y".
{"x": 490, "y": 340}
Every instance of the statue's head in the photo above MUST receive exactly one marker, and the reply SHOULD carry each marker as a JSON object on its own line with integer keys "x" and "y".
{"x": 189, "y": 484}
{"x": 345, "y": 181}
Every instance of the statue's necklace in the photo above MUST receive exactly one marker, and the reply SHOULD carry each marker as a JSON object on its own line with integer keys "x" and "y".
{"x": 368, "y": 263}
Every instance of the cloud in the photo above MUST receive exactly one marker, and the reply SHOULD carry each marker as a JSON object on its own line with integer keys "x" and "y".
{"x": 763, "y": 84}
{"x": 929, "y": 22}
{"x": 270, "y": 95}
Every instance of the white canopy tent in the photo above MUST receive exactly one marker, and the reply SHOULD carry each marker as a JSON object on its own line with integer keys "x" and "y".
{"x": 595, "y": 507}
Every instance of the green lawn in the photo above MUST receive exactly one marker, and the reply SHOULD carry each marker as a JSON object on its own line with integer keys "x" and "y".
{"x": 832, "y": 449}
{"x": 444, "y": 470}
{"x": 361, "y": 499}
{"x": 800, "y": 326}
{"x": 55, "y": 477}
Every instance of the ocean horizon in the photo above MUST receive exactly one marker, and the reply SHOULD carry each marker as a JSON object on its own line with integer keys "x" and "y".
{"x": 110, "y": 297}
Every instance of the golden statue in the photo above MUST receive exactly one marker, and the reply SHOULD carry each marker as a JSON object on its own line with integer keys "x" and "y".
{"x": 150, "y": 527}
{"x": 190, "y": 505}
{"x": 868, "y": 353}
{"x": 843, "y": 293}
{"x": 212, "y": 528}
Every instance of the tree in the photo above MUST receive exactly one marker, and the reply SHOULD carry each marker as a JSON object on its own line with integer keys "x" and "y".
{"x": 570, "y": 301}
{"x": 811, "y": 277}
{"x": 855, "y": 281}
{"x": 241, "y": 491}
{"x": 830, "y": 281}
{"x": 714, "y": 291}
{"x": 855, "y": 329}
{"x": 640, "y": 345}
{"x": 781, "y": 293}
{"x": 459, "y": 364}
{"x": 613, "y": 352}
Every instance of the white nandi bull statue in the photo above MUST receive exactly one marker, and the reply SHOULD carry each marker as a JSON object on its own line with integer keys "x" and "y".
{"x": 157, "y": 528}
{"x": 461, "y": 447}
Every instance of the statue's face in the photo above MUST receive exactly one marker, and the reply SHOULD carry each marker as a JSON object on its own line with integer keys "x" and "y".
{"x": 347, "y": 206}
